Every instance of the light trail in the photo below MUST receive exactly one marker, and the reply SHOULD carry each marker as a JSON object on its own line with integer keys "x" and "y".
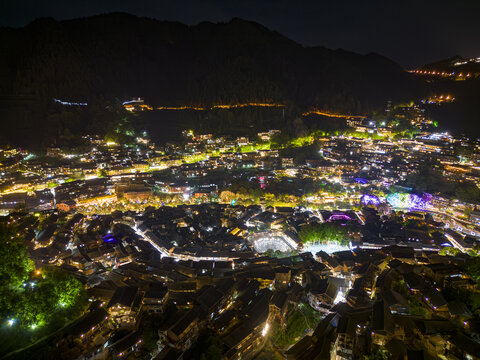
{"x": 196, "y": 108}
{"x": 67, "y": 103}
{"x": 220, "y": 106}
{"x": 327, "y": 114}
{"x": 247, "y": 105}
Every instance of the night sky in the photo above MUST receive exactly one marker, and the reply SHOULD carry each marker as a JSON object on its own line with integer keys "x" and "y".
{"x": 410, "y": 32}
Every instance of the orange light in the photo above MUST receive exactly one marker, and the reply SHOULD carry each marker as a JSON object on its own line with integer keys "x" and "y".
{"x": 327, "y": 114}
{"x": 220, "y": 106}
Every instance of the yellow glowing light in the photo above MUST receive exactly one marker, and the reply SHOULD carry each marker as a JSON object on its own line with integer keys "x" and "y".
{"x": 328, "y": 114}
{"x": 265, "y": 329}
{"x": 220, "y": 106}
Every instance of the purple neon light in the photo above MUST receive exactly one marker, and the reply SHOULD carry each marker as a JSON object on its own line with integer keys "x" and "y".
{"x": 370, "y": 200}
{"x": 336, "y": 217}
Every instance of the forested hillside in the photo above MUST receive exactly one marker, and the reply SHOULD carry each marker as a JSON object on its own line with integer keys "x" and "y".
{"x": 114, "y": 57}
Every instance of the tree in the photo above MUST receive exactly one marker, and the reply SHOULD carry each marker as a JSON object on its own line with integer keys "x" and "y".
{"x": 300, "y": 321}
{"x": 380, "y": 354}
{"x": 15, "y": 265}
{"x": 208, "y": 347}
{"x": 102, "y": 172}
{"x": 227, "y": 195}
{"x": 448, "y": 250}
{"x": 325, "y": 232}
{"x": 33, "y": 298}
{"x": 472, "y": 268}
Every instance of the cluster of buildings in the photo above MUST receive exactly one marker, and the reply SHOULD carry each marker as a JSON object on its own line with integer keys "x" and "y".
{"x": 204, "y": 165}
{"x": 198, "y": 270}
{"x": 396, "y": 305}
{"x": 226, "y": 260}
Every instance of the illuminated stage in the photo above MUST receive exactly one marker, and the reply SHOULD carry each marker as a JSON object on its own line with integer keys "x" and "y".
{"x": 272, "y": 240}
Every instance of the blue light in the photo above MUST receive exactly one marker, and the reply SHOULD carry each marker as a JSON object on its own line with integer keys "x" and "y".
{"x": 370, "y": 200}
{"x": 109, "y": 238}
{"x": 361, "y": 180}
{"x": 67, "y": 103}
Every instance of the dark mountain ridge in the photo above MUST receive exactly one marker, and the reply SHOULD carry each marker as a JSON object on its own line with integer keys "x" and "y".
{"x": 120, "y": 56}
